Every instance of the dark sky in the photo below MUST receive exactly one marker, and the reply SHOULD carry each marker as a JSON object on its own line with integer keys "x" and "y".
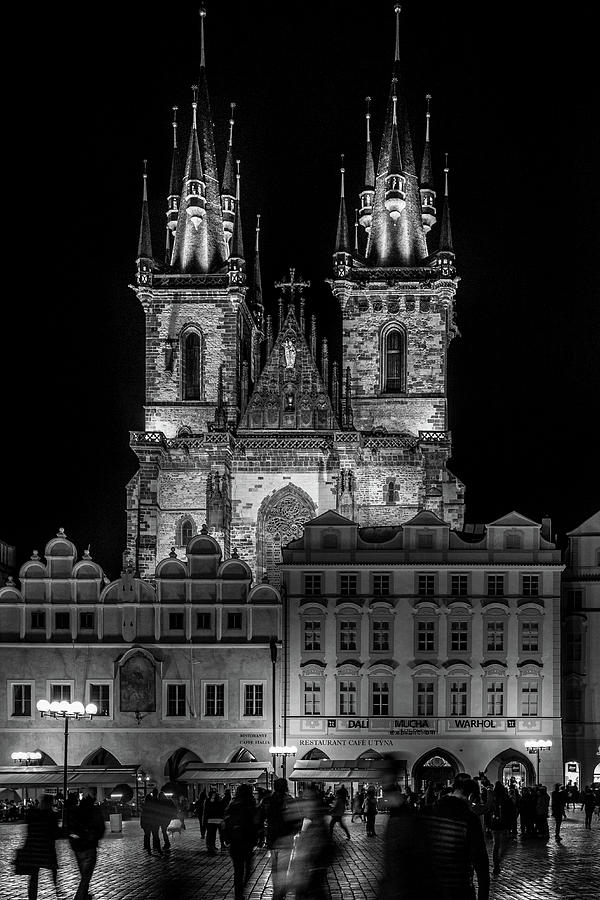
{"x": 513, "y": 105}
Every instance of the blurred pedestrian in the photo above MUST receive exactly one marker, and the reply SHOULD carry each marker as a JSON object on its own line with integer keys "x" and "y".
{"x": 39, "y": 850}
{"x": 166, "y": 811}
{"x": 240, "y": 833}
{"x": 86, "y": 827}
{"x": 214, "y": 809}
{"x": 337, "y": 814}
{"x": 500, "y": 823}
{"x": 370, "y": 811}
{"x": 357, "y": 805}
{"x": 314, "y": 851}
{"x": 283, "y": 821}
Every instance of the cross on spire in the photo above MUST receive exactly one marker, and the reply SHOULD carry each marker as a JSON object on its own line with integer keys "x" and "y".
{"x": 292, "y": 286}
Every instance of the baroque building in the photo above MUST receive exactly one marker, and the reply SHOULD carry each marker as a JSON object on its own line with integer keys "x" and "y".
{"x": 251, "y": 426}
{"x": 436, "y": 645}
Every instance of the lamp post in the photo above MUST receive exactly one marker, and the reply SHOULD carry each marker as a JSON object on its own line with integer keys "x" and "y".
{"x": 273, "y": 649}
{"x": 537, "y": 747}
{"x": 66, "y": 711}
{"x": 284, "y": 752}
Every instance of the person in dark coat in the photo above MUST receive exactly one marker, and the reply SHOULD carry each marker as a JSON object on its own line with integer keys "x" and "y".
{"x": 314, "y": 851}
{"x": 39, "y": 850}
{"x": 370, "y": 811}
{"x": 199, "y": 811}
{"x": 166, "y": 811}
{"x": 557, "y": 806}
{"x": 213, "y": 820}
{"x": 150, "y": 822}
{"x": 501, "y": 823}
{"x": 337, "y": 814}
{"x": 86, "y": 827}
{"x": 284, "y": 820}
{"x": 240, "y": 833}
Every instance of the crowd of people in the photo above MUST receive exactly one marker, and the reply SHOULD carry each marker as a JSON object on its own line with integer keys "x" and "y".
{"x": 435, "y": 842}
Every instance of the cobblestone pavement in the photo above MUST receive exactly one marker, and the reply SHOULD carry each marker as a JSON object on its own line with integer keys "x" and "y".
{"x": 531, "y": 871}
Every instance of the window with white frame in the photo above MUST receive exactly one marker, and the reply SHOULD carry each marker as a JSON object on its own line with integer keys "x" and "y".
{"x": 100, "y": 693}
{"x": 425, "y": 697}
{"x": 348, "y": 634}
{"x": 459, "y": 636}
{"x": 175, "y": 700}
{"x": 494, "y": 636}
{"x": 530, "y": 693}
{"x": 426, "y": 635}
{"x": 60, "y": 690}
{"x": 458, "y": 692}
{"x": 312, "y": 634}
{"x": 459, "y": 585}
{"x": 494, "y": 697}
{"x": 530, "y": 636}
{"x": 214, "y": 699}
{"x": 253, "y": 693}
{"x": 380, "y": 697}
{"x": 495, "y": 585}
{"x": 347, "y": 697}
{"x": 380, "y": 635}
{"x": 530, "y": 585}
{"x": 21, "y": 696}
{"x": 312, "y": 697}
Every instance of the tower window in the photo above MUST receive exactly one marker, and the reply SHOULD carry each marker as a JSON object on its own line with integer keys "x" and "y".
{"x": 391, "y": 492}
{"x": 191, "y": 366}
{"x": 393, "y": 368}
{"x": 185, "y": 532}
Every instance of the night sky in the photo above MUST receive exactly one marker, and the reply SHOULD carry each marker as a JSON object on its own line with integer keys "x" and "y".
{"x": 512, "y": 104}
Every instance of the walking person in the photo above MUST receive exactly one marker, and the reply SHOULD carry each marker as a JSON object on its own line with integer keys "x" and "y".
{"x": 357, "y": 806}
{"x": 39, "y": 850}
{"x": 283, "y": 821}
{"x": 240, "y": 833}
{"x": 542, "y": 806}
{"x": 150, "y": 822}
{"x": 166, "y": 811}
{"x": 500, "y": 823}
{"x": 86, "y": 827}
{"x": 370, "y": 811}
{"x": 588, "y": 803}
{"x": 314, "y": 851}
{"x": 337, "y": 813}
{"x": 199, "y": 812}
{"x": 557, "y": 806}
{"x": 213, "y": 820}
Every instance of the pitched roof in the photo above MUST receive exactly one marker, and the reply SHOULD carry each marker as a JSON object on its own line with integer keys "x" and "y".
{"x": 330, "y": 517}
{"x": 426, "y": 517}
{"x": 513, "y": 519}
{"x": 590, "y": 526}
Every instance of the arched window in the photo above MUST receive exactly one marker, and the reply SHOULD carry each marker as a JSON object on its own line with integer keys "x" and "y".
{"x": 393, "y": 360}
{"x": 390, "y": 492}
{"x": 185, "y": 532}
{"x": 190, "y": 360}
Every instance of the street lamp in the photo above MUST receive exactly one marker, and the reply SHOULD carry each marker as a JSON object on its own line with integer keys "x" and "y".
{"x": 537, "y": 747}
{"x": 283, "y": 752}
{"x": 65, "y": 710}
{"x": 26, "y": 758}
{"x": 273, "y": 649}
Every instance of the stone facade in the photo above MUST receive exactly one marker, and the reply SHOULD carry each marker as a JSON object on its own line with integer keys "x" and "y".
{"x": 438, "y": 645}
{"x": 581, "y": 657}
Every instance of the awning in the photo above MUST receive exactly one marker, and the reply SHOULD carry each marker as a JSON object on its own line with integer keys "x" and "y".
{"x": 345, "y": 769}
{"x": 223, "y": 773}
{"x": 77, "y": 776}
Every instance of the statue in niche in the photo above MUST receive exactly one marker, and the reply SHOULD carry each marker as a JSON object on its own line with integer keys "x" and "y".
{"x": 289, "y": 350}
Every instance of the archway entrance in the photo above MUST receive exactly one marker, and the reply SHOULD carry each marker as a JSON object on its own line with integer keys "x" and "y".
{"x": 101, "y": 757}
{"x": 438, "y": 767}
{"x": 512, "y": 768}
{"x": 572, "y": 774}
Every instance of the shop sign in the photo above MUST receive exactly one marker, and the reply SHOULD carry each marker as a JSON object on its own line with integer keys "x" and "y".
{"x": 348, "y": 724}
{"x": 254, "y": 739}
{"x": 414, "y": 727}
{"x": 316, "y": 726}
{"x": 477, "y": 725}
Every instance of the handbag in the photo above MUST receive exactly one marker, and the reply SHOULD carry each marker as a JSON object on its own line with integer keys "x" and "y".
{"x": 23, "y": 865}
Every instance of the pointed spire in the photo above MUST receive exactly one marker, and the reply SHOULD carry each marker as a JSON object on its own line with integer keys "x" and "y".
{"x": 258, "y": 296}
{"x": 269, "y": 334}
{"x": 228, "y": 191}
{"x": 446, "y": 230}
{"x": 325, "y": 363}
{"x": 236, "y": 263}
{"x": 313, "y": 336}
{"x": 202, "y": 55}
{"x": 145, "y": 241}
{"x": 342, "y": 239}
{"x": 368, "y": 192}
{"x": 428, "y": 211}
{"x": 174, "y": 196}
{"x": 397, "y": 10}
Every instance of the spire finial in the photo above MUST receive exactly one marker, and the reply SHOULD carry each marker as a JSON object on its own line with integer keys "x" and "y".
{"x": 145, "y": 176}
{"x": 202, "y": 56}
{"x": 342, "y": 173}
{"x": 231, "y": 123}
{"x": 397, "y": 10}
{"x": 356, "y": 230}
{"x": 174, "y": 123}
{"x": 368, "y": 118}
{"x": 257, "y": 231}
{"x": 446, "y": 170}
{"x": 194, "y": 105}
{"x": 237, "y": 180}
{"x": 394, "y": 100}
{"x": 427, "y": 117}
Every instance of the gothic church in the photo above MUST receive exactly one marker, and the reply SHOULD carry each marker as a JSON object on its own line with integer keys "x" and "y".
{"x": 250, "y": 427}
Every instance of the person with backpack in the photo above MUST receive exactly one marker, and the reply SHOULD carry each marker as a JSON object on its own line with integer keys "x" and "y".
{"x": 283, "y": 822}
{"x": 240, "y": 833}
{"x": 500, "y": 822}
{"x": 86, "y": 827}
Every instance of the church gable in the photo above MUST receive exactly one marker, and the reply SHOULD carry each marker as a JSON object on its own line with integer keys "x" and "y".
{"x": 290, "y": 393}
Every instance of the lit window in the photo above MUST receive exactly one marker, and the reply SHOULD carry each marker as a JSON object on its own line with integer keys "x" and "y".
{"x": 100, "y": 695}
{"x": 176, "y": 700}
{"x": 380, "y": 698}
{"x": 253, "y": 700}
{"x": 191, "y": 366}
{"x": 312, "y": 635}
{"x": 459, "y": 585}
{"x": 529, "y": 697}
{"x": 312, "y": 698}
{"x": 495, "y": 698}
{"x": 214, "y": 699}
{"x": 425, "y": 698}
{"x": 348, "y": 693}
{"x": 381, "y": 636}
{"x": 21, "y": 700}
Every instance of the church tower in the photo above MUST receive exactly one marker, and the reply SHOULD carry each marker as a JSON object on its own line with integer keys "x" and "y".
{"x": 252, "y": 427}
{"x": 397, "y": 304}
